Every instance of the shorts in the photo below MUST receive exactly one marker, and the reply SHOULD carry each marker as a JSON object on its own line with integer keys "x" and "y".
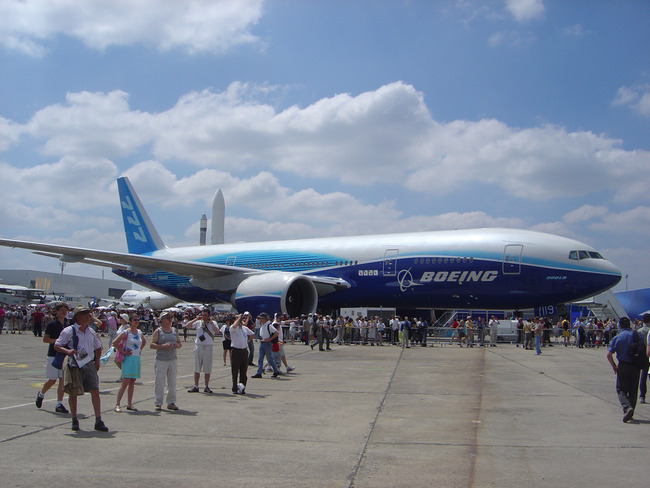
{"x": 89, "y": 376}
{"x": 203, "y": 359}
{"x": 565, "y": 333}
{"x": 51, "y": 373}
{"x": 226, "y": 343}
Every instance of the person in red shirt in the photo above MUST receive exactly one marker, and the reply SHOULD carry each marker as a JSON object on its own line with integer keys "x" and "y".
{"x": 37, "y": 318}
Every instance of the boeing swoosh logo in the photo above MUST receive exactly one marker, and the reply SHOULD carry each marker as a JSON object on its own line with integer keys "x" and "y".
{"x": 405, "y": 279}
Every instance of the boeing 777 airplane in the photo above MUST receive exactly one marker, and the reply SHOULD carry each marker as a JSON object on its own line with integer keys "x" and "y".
{"x": 150, "y": 299}
{"x": 487, "y": 269}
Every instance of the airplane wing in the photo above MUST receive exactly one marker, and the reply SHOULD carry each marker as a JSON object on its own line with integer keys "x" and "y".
{"x": 125, "y": 261}
{"x": 143, "y": 264}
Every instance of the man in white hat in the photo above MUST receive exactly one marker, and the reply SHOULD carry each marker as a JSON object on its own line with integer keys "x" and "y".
{"x": 84, "y": 349}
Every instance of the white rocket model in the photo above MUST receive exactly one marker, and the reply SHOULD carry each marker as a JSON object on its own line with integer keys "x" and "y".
{"x": 218, "y": 218}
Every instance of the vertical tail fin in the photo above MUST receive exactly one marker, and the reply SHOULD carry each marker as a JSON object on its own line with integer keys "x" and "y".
{"x": 141, "y": 236}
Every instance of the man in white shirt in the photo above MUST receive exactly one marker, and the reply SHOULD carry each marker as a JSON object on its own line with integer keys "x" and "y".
{"x": 240, "y": 333}
{"x": 84, "y": 349}
{"x": 206, "y": 330}
{"x": 494, "y": 331}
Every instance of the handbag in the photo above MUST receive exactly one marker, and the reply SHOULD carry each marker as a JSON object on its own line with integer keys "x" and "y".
{"x": 59, "y": 357}
{"x": 119, "y": 357}
{"x": 57, "y": 362}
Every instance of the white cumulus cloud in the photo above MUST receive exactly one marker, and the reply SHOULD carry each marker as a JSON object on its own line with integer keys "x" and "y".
{"x": 192, "y": 25}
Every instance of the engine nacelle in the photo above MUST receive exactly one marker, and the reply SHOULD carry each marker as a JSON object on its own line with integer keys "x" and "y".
{"x": 289, "y": 293}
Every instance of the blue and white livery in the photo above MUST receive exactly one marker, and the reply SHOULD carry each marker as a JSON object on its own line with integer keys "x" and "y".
{"x": 461, "y": 269}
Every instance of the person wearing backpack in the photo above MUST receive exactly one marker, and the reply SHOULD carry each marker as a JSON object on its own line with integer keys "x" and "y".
{"x": 82, "y": 346}
{"x": 268, "y": 335}
{"x": 627, "y": 373}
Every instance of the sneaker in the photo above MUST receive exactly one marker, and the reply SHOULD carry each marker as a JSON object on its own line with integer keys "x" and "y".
{"x": 132, "y": 408}
{"x": 207, "y": 390}
{"x": 256, "y": 376}
{"x": 628, "y": 415}
{"x": 290, "y": 369}
{"x": 172, "y": 406}
{"x": 61, "y": 409}
{"x": 99, "y": 425}
{"x": 275, "y": 375}
{"x": 118, "y": 409}
{"x": 194, "y": 389}
{"x": 75, "y": 424}
{"x": 39, "y": 400}
{"x": 641, "y": 399}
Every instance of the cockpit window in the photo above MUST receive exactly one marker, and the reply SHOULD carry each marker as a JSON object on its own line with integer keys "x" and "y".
{"x": 577, "y": 255}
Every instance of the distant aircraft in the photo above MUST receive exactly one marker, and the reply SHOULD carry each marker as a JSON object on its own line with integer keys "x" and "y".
{"x": 20, "y": 295}
{"x": 148, "y": 299}
{"x": 487, "y": 269}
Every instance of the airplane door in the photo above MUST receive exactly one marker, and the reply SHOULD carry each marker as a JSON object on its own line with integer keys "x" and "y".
{"x": 390, "y": 262}
{"x": 512, "y": 259}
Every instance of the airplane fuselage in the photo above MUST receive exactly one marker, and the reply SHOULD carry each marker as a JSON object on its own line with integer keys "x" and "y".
{"x": 475, "y": 269}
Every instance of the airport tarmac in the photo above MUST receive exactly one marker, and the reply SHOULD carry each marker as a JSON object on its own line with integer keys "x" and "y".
{"x": 356, "y": 416}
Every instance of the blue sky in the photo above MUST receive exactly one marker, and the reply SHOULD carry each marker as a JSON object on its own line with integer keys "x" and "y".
{"x": 321, "y": 118}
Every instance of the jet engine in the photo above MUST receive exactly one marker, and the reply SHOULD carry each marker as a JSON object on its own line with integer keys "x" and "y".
{"x": 289, "y": 293}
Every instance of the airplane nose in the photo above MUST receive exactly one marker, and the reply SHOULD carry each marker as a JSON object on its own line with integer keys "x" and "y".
{"x": 615, "y": 274}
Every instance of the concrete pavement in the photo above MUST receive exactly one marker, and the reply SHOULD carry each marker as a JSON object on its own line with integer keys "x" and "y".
{"x": 356, "y": 416}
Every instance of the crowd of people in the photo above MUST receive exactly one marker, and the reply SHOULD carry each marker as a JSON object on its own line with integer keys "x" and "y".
{"x": 77, "y": 335}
